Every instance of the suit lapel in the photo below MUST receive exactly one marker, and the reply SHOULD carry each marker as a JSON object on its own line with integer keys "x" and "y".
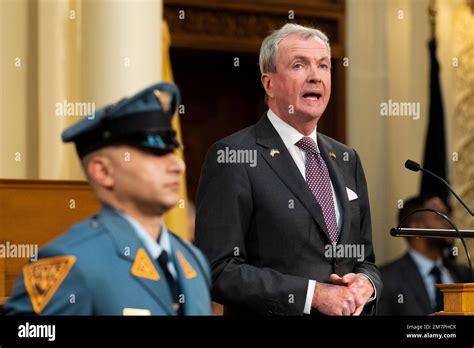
{"x": 456, "y": 272}
{"x": 415, "y": 282}
{"x": 128, "y": 245}
{"x": 337, "y": 179}
{"x": 286, "y": 169}
{"x": 190, "y": 278}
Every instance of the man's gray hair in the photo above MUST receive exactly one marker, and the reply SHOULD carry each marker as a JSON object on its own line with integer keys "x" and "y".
{"x": 269, "y": 49}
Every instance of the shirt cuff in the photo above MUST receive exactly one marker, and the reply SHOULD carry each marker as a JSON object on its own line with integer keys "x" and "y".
{"x": 309, "y": 296}
{"x": 373, "y": 285}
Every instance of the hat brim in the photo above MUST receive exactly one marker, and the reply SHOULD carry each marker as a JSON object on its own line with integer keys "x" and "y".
{"x": 157, "y": 143}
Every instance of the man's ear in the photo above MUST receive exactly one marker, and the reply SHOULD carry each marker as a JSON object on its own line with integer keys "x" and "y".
{"x": 100, "y": 170}
{"x": 267, "y": 82}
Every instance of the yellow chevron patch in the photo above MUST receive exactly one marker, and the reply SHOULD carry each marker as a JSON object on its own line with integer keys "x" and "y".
{"x": 143, "y": 267}
{"x": 189, "y": 272}
{"x": 43, "y": 278}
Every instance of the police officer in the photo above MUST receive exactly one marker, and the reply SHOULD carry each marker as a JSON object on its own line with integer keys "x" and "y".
{"x": 122, "y": 261}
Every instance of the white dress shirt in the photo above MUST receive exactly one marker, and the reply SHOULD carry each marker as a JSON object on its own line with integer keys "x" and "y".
{"x": 290, "y": 137}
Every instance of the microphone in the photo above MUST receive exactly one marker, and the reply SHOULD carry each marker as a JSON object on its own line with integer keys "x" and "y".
{"x": 415, "y": 167}
{"x": 412, "y": 165}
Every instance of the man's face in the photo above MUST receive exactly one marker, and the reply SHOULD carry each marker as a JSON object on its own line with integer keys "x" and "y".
{"x": 434, "y": 221}
{"x": 301, "y": 87}
{"x": 143, "y": 180}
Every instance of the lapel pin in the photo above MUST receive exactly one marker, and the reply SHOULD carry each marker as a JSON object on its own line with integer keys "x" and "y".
{"x": 332, "y": 154}
{"x": 274, "y": 152}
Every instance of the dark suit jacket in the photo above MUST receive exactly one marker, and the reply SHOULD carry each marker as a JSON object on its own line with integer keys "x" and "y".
{"x": 402, "y": 277}
{"x": 263, "y": 231}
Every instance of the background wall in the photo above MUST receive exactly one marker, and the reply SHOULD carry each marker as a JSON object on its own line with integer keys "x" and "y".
{"x": 100, "y": 51}
{"x": 387, "y": 50}
{"x": 78, "y": 51}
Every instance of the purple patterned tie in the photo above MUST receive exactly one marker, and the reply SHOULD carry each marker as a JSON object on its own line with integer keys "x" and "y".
{"x": 317, "y": 177}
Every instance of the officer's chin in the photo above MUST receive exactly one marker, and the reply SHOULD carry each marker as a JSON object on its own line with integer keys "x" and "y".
{"x": 169, "y": 202}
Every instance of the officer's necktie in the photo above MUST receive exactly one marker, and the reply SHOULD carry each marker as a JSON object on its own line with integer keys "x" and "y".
{"x": 436, "y": 273}
{"x": 317, "y": 177}
{"x": 173, "y": 284}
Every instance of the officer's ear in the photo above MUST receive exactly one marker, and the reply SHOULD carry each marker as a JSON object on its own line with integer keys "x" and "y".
{"x": 100, "y": 170}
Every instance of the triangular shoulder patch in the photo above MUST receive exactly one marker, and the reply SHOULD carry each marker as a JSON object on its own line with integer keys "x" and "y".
{"x": 188, "y": 270}
{"x": 44, "y": 277}
{"x": 143, "y": 267}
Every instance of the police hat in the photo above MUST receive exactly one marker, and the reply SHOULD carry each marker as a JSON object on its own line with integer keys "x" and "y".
{"x": 143, "y": 121}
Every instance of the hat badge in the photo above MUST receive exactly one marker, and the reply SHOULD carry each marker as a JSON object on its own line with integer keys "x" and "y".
{"x": 164, "y": 98}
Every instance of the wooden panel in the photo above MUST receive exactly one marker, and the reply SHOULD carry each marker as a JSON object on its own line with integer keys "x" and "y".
{"x": 240, "y": 26}
{"x": 231, "y": 99}
{"x": 2, "y": 302}
{"x": 35, "y": 212}
{"x": 2, "y": 278}
{"x": 458, "y": 299}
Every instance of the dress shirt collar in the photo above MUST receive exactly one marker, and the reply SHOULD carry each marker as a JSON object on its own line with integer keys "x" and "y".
{"x": 288, "y": 134}
{"x": 425, "y": 265}
{"x": 151, "y": 245}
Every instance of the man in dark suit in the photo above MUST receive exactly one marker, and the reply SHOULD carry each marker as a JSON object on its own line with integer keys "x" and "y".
{"x": 409, "y": 281}
{"x": 282, "y": 211}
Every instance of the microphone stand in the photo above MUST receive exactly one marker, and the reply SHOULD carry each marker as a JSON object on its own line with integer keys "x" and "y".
{"x": 459, "y": 297}
{"x": 433, "y": 233}
{"x": 415, "y": 167}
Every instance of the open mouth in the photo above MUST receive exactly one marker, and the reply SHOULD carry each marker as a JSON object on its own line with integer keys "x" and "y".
{"x": 312, "y": 96}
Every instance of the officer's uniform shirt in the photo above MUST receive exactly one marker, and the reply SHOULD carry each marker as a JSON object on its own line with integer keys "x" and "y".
{"x": 142, "y": 121}
{"x": 152, "y": 246}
